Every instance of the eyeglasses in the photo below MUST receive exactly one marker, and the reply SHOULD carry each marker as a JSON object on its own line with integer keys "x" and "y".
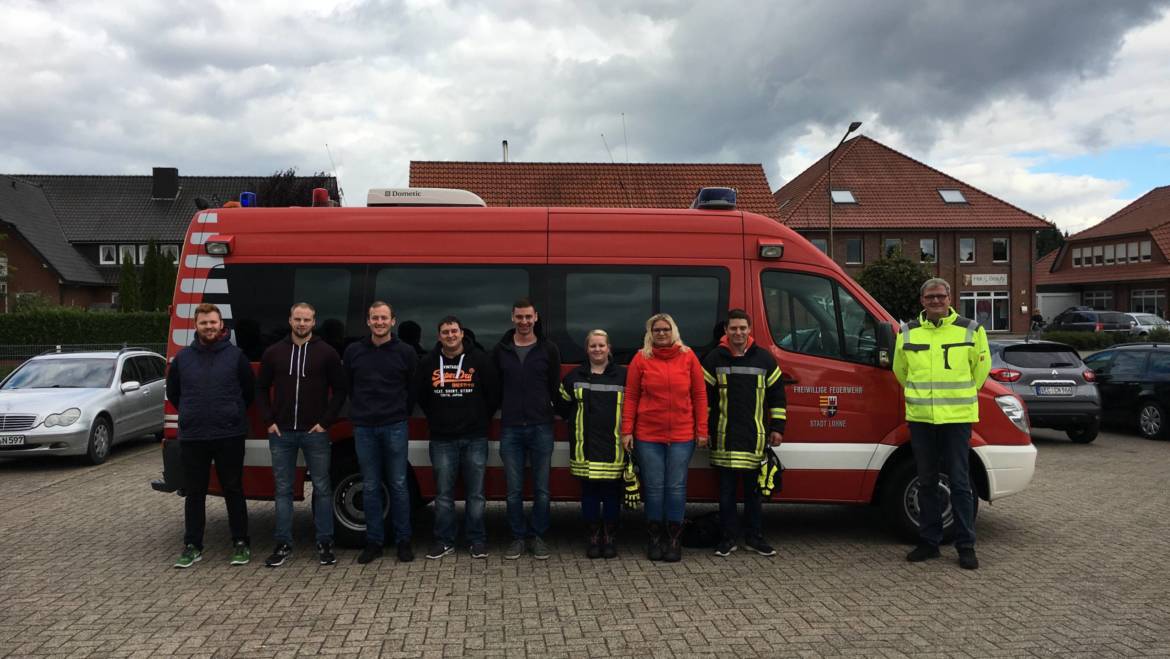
{"x": 661, "y": 330}
{"x": 935, "y": 297}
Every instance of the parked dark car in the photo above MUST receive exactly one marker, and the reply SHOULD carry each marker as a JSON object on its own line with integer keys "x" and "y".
{"x": 1134, "y": 383}
{"x": 1091, "y": 320}
{"x": 1055, "y": 385}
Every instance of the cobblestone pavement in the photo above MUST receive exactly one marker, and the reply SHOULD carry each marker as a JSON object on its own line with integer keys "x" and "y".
{"x": 1075, "y": 565}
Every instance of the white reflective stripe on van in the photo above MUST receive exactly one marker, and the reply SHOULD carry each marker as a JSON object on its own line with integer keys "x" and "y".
{"x": 188, "y": 310}
{"x": 206, "y": 286}
{"x": 208, "y": 218}
{"x": 203, "y": 261}
{"x": 184, "y": 337}
{"x": 200, "y": 237}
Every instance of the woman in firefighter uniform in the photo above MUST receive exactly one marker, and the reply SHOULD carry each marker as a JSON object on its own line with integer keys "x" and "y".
{"x": 591, "y": 402}
{"x": 746, "y": 398}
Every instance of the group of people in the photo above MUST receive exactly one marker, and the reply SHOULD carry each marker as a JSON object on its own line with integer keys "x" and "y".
{"x": 655, "y": 413}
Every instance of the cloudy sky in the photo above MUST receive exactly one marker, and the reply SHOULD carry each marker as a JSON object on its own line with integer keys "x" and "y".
{"x": 1061, "y": 107}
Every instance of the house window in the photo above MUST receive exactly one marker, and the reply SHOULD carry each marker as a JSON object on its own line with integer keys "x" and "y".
{"x": 1148, "y": 300}
{"x": 1121, "y": 254}
{"x": 3, "y": 267}
{"x": 999, "y": 250}
{"x": 853, "y": 251}
{"x": 108, "y": 255}
{"x": 821, "y": 244}
{"x": 927, "y": 251}
{"x": 142, "y": 250}
{"x": 991, "y": 309}
{"x": 952, "y": 196}
{"x": 891, "y": 245}
{"x": 1132, "y": 252}
{"x": 1099, "y": 300}
{"x": 1098, "y": 255}
{"x": 127, "y": 253}
{"x": 169, "y": 252}
{"x": 1109, "y": 254}
{"x": 843, "y": 197}
{"x": 966, "y": 250}
{"x": 1076, "y": 257}
{"x": 1145, "y": 247}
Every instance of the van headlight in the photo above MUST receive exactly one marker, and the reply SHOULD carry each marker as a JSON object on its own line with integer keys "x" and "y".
{"x": 1013, "y": 409}
{"x": 62, "y": 419}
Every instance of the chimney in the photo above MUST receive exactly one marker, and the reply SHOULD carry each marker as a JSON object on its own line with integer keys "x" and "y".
{"x": 505, "y": 145}
{"x": 164, "y": 183}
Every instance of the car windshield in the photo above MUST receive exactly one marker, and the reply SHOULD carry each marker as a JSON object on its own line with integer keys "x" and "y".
{"x": 1033, "y": 356}
{"x": 62, "y": 373}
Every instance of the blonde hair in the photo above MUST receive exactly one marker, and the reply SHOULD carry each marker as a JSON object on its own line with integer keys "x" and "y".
{"x": 648, "y": 340}
{"x": 603, "y": 334}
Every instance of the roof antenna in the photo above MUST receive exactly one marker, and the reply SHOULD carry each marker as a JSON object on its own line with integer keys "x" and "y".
{"x": 621, "y": 184}
{"x": 340, "y": 193}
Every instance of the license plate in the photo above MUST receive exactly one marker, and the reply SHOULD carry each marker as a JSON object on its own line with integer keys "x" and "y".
{"x": 1054, "y": 391}
{"x": 11, "y": 440}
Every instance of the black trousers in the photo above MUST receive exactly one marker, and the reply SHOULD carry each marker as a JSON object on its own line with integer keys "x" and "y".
{"x": 228, "y": 456}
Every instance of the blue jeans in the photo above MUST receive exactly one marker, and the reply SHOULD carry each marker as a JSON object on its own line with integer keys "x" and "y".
{"x": 944, "y": 445}
{"x": 662, "y": 468}
{"x": 600, "y": 495}
{"x": 381, "y": 452}
{"x": 448, "y": 458}
{"x": 536, "y": 444}
{"x": 317, "y": 449}
{"x": 752, "y": 502}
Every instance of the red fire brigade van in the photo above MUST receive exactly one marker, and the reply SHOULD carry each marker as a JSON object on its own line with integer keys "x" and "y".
{"x": 846, "y": 441}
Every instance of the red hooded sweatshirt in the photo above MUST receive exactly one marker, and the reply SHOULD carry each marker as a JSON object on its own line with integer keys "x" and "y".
{"x": 666, "y": 398}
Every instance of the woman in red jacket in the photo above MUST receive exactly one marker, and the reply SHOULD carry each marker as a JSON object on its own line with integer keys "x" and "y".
{"x": 666, "y": 409}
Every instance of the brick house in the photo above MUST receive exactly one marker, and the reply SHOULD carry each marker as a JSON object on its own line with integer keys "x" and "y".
{"x": 884, "y": 200}
{"x": 1119, "y": 264}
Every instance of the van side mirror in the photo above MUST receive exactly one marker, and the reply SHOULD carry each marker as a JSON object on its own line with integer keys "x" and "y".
{"x": 885, "y": 345}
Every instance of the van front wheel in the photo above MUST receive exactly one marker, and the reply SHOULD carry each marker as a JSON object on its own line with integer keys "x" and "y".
{"x": 899, "y": 500}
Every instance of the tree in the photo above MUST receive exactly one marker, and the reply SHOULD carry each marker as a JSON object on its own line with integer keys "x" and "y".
{"x": 150, "y": 294}
{"x": 894, "y": 281}
{"x": 128, "y": 291}
{"x": 168, "y": 269}
{"x": 1048, "y": 240}
{"x": 285, "y": 188}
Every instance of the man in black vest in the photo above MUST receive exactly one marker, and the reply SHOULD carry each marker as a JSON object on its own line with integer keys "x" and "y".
{"x": 210, "y": 382}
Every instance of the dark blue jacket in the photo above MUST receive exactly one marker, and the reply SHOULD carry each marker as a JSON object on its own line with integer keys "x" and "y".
{"x": 379, "y": 381}
{"x": 212, "y": 387}
{"x": 529, "y": 389}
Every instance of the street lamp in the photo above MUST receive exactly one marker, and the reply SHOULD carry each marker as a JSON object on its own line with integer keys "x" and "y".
{"x": 852, "y": 127}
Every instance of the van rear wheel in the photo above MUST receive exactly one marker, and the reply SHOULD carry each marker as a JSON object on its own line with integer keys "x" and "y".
{"x": 349, "y": 514}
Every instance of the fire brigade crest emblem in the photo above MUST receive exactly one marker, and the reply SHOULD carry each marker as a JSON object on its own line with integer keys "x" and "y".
{"x": 828, "y": 406}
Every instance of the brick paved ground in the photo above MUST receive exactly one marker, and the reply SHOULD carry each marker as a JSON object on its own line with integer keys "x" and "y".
{"x": 1076, "y": 565}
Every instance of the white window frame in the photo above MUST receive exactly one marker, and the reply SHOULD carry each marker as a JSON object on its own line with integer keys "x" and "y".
{"x": 1101, "y": 300}
{"x": 1148, "y": 300}
{"x": 860, "y": 251}
{"x": 1007, "y": 243}
{"x": 997, "y": 298}
{"x": 1076, "y": 257}
{"x": 1145, "y": 248}
{"x": 897, "y": 245}
{"x": 1109, "y": 254}
{"x": 955, "y": 196}
{"x": 821, "y": 244}
{"x": 842, "y": 197}
{"x": 933, "y": 250}
{"x": 1098, "y": 255}
{"x": 172, "y": 251}
{"x": 1121, "y": 254}
{"x": 102, "y": 260}
{"x": 973, "y": 252}
{"x": 132, "y": 250}
{"x": 1132, "y": 252}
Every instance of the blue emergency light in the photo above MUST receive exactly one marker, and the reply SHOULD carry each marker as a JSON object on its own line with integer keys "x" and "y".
{"x": 247, "y": 199}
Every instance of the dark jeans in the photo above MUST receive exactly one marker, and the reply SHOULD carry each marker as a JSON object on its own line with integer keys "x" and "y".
{"x": 381, "y": 452}
{"x": 600, "y": 495}
{"x": 752, "y": 502}
{"x": 662, "y": 467}
{"x": 536, "y": 444}
{"x": 228, "y": 456}
{"x": 448, "y": 458}
{"x": 317, "y": 449}
{"x": 944, "y": 445}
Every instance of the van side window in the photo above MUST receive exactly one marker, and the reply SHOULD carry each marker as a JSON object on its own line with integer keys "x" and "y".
{"x": 618, "y": 302}
{"x": 693, "y": 302}
{"x": 481, "y": 296}
{"x": 812, "y": 315}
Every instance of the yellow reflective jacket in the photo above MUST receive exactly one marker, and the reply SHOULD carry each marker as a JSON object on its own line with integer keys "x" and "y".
{"x": 941, "y": 367}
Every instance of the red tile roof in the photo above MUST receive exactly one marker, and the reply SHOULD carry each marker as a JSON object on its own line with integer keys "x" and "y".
{"x": 598, "y": 185}
{"x": 1148, "y": 213}
{"x": 1097, "y": 275}
{"x": 893, "y": 191}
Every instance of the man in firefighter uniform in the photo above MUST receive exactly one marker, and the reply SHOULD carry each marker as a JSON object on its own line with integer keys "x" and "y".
{"x": 747, "y": 413}
{"x": 941, "y": 359}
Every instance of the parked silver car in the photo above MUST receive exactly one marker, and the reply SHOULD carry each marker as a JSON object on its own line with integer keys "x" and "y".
{"x": 81, "y": 403}
{"x": 1057, "y": 388}
{"x": 1145, "y": 322}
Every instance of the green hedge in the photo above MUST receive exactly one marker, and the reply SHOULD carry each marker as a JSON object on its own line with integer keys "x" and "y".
{"x": 69, "y": 325}
{"x": 1088, "y": 340}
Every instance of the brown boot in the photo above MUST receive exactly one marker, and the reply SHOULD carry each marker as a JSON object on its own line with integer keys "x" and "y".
{"x": 654, "y": 545}
{"x": 672, "y": 552}
{"x": 595, "y": 540}
{"x": 608, "y": 548}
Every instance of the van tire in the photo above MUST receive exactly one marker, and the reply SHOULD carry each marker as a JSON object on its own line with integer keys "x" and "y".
{"x": 1083, "y": 434}
{"x": 899, "y": 501}
{"x": 349, "y": 526}
{"x": 1152, "y": 421}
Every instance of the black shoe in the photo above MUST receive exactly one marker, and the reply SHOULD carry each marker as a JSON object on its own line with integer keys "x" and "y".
{"x": 672, "y": 551}
{"x": 608, "y": 548}
{"x": 405, "y": 551}
{"x": 725, "y": 547}
{"x": 325, "y": 553}
{"x": 967, "y": 559}
{"x": 758, "y": 545}
{"x": 654, "y": 543}
{"x": 922, "y": 553}
{"x": 439, "y": 550}
{"x": 278, "y": 556}
{"x": 595, "y": 540}
{"x": 371, "y": 552}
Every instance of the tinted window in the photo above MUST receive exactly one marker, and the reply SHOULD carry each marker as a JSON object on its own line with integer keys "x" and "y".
{"x": 693, "y": 302}
{"x": 130, "y": 371}
{"x": 1029, "y": 357}
{"x": 813, "y": 315}
{"x": 1128, "y": 364}
{"x": 63, "y": 374}
{"x": 619, "y": 303}
{"x": 149, "y": 368}
{"x": 1159, "y": 365}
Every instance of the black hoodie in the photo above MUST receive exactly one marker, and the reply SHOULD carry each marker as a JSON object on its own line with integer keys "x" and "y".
{"x": 293, "y": 388}
{"x": 458, "y": 395}
{"x": 528, "y": 388}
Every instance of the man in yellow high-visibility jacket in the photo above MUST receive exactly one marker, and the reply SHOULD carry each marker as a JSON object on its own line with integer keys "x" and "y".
{"x": 942, "y": 360}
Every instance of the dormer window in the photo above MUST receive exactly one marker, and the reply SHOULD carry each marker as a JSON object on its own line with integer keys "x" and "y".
{"x": 953, "y": 196}
{"x": 842, "y": 197}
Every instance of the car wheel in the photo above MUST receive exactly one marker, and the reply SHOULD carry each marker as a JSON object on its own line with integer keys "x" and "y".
{"x": 900, "y": 501}
{"x": 1152, "y": 420}
{"x": 101, "y": 437}
{"x": 1085, "y": 433}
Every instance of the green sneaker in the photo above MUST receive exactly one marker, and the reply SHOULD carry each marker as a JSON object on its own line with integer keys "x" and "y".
{"x": 241, "y": 553}
{"x": 189, "y": 557}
